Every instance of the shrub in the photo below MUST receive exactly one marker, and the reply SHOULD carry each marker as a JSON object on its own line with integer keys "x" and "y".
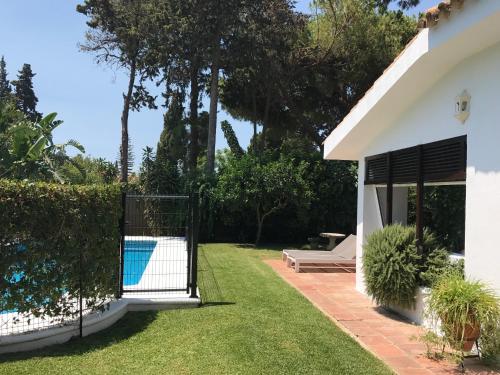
{"x": 51, "y": 236}
{"x": 436, "y": 262}
{"x": 458, "y": 303}
{"x": 394, "y": 268}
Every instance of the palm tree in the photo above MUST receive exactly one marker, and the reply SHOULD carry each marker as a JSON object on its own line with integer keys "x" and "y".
{"x": 33, "y": 151}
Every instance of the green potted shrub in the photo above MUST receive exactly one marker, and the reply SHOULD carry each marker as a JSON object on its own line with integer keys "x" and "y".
{"x": 467, "y": 310}
{"x": 394, "y": 268}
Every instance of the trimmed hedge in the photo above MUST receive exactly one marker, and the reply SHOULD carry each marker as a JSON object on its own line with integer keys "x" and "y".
{"x": 393, "y": 267}
{"x": 52, "y": 237}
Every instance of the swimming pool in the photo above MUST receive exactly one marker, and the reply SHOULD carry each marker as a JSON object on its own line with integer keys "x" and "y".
{"x": 136, "y": 259}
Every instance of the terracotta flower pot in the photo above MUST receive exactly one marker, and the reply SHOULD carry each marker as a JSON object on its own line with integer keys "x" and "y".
{"x": 471, "y": 334}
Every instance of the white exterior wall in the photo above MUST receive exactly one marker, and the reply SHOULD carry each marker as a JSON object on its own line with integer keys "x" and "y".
{"x": 369, "y": 219}
{"x": 430, "y": 119}
{"x": 482, "y": 245}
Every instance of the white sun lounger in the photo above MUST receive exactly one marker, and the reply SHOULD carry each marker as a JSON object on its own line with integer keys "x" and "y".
{"x": 343, "y": 258}
{"x": 348, "y": 243}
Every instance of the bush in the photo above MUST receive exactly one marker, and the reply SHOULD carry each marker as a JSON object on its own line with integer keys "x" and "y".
{"x": 394, "y": 268}
{"x": 331, "y": 185}
{"x": 52, "y": 234}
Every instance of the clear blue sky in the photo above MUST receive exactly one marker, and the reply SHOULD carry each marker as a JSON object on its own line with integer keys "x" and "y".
{"x": 86, "y": 96}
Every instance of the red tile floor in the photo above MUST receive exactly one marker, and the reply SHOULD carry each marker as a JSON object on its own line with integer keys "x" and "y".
{"x": 383, "y": 334}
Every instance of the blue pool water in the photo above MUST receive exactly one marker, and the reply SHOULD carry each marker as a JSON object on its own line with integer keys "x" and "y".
{"x": 137, "y": 255}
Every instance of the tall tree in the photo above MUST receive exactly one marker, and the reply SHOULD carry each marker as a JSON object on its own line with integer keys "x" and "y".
{"x": 9, "y": 116}
{"x": 130, "y": 158}
{"x": 223, "y": 19}
{"x": 158, "y": 175}
{"x": 173, "y": 138}
{"x": 231, "y": 139}
{"x": 191, "y": 57}
{"x": 5, "y": 89}
{"x": 254, "y": 86}
{"x": 178, "y": 51}
{"x": 305, "y": 80}
{"x": 25, "y": 95}
{"x": 118, "y": 35}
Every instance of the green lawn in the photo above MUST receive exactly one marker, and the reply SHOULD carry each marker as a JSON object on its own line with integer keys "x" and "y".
{"x": 252, "y": 322}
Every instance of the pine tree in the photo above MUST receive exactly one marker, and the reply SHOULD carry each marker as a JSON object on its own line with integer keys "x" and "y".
{"x": 131, "y": 158}
{"x": 5, "y": 89}
{"x": 173, "y": 139}
{"x": 158, "y": 175}
{"x": 24, "y": 93}
{"x": 231, "y": 139}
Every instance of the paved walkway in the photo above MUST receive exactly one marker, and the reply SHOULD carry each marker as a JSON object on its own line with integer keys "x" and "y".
{"x": 385, "y": 335}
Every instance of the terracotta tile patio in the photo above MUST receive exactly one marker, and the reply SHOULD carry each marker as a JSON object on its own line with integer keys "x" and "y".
{"x": 384, "y": 334}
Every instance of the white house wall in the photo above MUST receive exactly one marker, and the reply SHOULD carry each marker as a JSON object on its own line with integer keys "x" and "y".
{"x": 482, "y": 244}
{"x": 360, "y": 283}
{"x": 430, "y": 119}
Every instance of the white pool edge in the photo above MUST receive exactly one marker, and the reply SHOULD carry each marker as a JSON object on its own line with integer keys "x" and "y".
{"x": 94, "y": 322}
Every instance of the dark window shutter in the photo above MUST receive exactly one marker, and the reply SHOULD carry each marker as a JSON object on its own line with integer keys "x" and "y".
{"x": 445, "y": 161}
{"x": 442, "y": 161}
{"x": 376, "y": 169}
{"x": 405, "y": 165}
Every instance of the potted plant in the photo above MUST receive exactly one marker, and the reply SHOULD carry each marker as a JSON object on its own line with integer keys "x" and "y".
{"x": 395, "y": 269}
{"x": 467, "y": 310}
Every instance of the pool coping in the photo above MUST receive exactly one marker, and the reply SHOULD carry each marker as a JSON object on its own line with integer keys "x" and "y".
{"x": 96, "y": 321}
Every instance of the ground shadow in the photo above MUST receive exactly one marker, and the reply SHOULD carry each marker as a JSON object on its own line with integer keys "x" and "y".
{"x": 267, "y": 246}
{"x": 211, "y": 304}
{"x": 131, "y": 324}
{"x": 210, "y": 290}
{"x": 326, "y": 270}
{"x": 392, "y": 315}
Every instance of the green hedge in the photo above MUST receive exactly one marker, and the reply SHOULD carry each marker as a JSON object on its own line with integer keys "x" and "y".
{"x": 51, "y": 238}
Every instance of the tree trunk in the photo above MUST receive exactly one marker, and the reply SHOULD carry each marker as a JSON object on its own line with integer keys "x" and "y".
{"x": 214, "y": 99}
{"x": 254, "y": 107}
{"x": 126, "y": 109}
{"x": 260, "y": 222}
{"x": 266, "y": 119}
{"x": 194, "y": 149}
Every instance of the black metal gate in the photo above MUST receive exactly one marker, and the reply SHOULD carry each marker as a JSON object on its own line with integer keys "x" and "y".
{"x": 159, "y": 246}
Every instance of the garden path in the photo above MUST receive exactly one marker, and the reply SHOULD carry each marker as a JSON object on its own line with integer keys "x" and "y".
{"x": 384, "y": 334}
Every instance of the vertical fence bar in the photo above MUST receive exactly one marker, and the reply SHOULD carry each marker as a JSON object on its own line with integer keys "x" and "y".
{"x": 194, "y": 245}
{"x": 80, "y": 295}
{"x": 122, "y": 245}
{"x": 189, "y": 237}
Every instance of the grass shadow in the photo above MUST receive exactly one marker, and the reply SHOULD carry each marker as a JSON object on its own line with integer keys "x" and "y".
{"x": 131, "y": 324}
{"x": 211, "y": 304}
{"x": 209, "y": 287}
{"x": 267, "y": 246}
{"x": 210, "y": 290}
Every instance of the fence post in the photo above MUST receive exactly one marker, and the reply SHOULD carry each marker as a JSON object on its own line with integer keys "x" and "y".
{"x": 194, "y": 244}
{"x": 80, "y": 296}
{"x": 122, "y": 245}
{"x": 189, "y": 237}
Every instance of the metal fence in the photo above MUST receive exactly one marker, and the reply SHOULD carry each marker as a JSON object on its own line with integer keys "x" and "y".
{"x": 159, "y": 244}
{"x": 156, "y": 253}
{"x": 62, "y": 305}
{"x": 17, "y": 323}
